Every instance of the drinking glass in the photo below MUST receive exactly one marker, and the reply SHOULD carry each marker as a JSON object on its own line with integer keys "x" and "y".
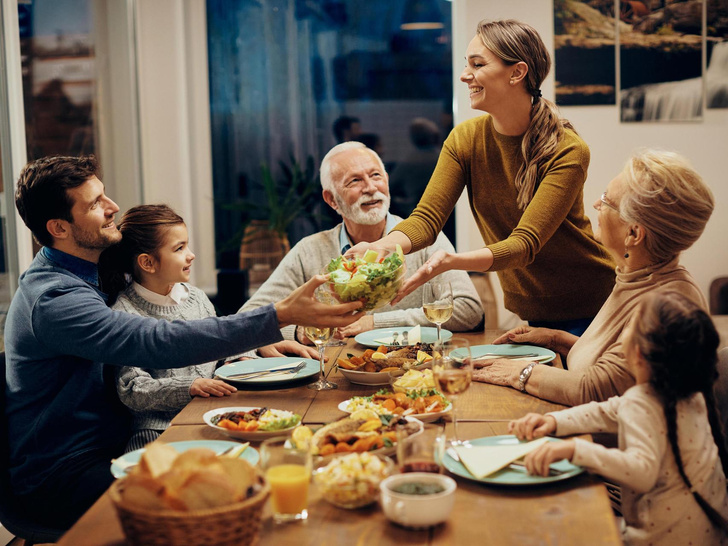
{"x": 288, "y": 471}
{"x": 319, "y": 337}
{"x": 453, "y": 372}
{"x": 421, "y": 452}
{"x": 437, "y": 303}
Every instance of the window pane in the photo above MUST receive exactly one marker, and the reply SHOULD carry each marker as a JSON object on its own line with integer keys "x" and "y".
{"x": 282, "y": 72}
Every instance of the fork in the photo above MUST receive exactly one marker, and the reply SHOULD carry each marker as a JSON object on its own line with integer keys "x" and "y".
{"x": 267, "y": 373}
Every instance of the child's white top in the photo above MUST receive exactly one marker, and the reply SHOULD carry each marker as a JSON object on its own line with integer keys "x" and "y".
{"x": 657, "y": 506}
{"x": 179, "y": 293}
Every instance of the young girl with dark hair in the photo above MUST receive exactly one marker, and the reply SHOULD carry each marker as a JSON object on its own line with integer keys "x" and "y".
{"x": 155, "y": 253}
{"x": 671, "y": 461}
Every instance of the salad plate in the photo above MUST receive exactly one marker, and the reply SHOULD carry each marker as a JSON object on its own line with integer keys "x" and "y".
{"x": 510, "y": 476}
{"x": 276, "y": 427}
{"x": 228, "y": 372}
{"x": 120, "y": 466}
{"x": 427, "y": 335}
{"x": 424, "y": 417}
{"x": 483, "y": 352}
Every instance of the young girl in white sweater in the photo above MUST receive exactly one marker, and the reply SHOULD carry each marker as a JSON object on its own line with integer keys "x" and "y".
{"x": 155, "y": 252}
{"x": 671, "y": 461}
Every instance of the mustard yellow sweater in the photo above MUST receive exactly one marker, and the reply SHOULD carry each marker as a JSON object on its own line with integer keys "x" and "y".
{"x": 548, "y": 262}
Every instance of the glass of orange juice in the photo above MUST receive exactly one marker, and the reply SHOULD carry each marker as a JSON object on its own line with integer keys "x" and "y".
{"x": 288, "y": 472}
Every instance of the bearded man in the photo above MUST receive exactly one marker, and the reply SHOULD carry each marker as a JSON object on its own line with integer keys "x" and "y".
{"x": 356, "y": 185}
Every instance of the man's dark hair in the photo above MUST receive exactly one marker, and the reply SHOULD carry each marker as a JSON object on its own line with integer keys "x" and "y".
{"x": 343, "y": 124}
{"x": 41, "y": 191}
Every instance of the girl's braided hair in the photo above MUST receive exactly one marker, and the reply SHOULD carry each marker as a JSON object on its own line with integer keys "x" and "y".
{"x": 679, "y": 342}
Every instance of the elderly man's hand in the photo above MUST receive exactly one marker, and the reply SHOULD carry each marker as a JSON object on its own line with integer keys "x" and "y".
{"x": 436, "y": 264}
{"x": 364, "y": 324}
{"x": 287, "y": 347}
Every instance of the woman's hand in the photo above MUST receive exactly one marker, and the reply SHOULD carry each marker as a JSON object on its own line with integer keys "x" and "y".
{"x": 364, "y": 324}
{"x": 538, "y": 461}
{"x": 436, "y": 264}
{"x": 499, "y": 371}
{"x": 287, "y": 347}
{"x": 210, "y": 387}
{"x": 300, "y": 307}
{"x": 532, "y": 426}
{"x": 543, "y": 337}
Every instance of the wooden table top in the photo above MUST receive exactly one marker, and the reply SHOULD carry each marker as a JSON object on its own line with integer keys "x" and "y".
{"x": 575, "y": 511}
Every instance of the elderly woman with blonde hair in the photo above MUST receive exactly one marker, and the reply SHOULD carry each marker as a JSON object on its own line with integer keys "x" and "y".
{"x": 654, "y": 209}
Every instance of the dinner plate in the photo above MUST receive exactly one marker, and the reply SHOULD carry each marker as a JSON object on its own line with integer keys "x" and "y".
{"x": 509, "y": 475}
{"x": 427, "y": 335}
{"x": 543, "y": 355}
{"x": 263, "y": 364}
{"x": 256, "y": 435}
{"x": 424, "y": 417}
{"x": 119, "y": 466}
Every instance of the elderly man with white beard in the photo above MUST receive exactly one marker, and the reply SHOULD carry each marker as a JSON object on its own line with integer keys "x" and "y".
{"x": 356, "y": 185}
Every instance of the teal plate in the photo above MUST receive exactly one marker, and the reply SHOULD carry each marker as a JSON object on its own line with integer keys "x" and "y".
{"x": 218, "y": 446}
{"x": 428, "y": 335}
{"x": 261, "y": 364}
{"x": 510, "y": 476}
{"x": 543, "y": 355}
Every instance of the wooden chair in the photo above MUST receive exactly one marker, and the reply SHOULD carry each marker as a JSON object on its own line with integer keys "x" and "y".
{"x": 13, "y": 519}
{"x": 719, "y": 296}
{"x": 487, "y": 298}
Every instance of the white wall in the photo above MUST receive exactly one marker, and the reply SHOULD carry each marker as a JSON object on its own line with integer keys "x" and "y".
{"x": 611, "y": 142}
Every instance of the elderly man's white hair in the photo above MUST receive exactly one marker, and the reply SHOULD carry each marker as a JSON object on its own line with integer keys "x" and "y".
{"x": 327, "y": 176}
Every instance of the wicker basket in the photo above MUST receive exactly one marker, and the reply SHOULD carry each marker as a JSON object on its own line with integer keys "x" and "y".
{"x": 233, "y": 525}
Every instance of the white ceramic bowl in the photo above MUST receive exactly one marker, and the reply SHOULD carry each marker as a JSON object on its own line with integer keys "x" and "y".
{"x": 417, "y": 511}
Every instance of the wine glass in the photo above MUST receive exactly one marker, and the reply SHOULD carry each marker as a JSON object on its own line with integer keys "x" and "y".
{"x": 452, "y": 369}
{"x": 437, "y": 303}
{"x": 319, "y": 337}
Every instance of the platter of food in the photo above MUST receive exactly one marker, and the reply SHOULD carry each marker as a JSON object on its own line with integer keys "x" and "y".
{"x": 489, "y": 450}
{"x": 121, "y": 466}
{"x": 249, "y": 423}
{"x": 385, "y": 336}
{"x": 360, "y": 432}
{"x": 426, "y": 405}
{"x": 375, "y": 367}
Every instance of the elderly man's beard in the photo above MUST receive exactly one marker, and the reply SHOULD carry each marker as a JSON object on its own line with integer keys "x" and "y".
{"x": 355, "y": 212}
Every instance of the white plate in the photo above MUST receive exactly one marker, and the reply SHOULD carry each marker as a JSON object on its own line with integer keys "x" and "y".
{"x": 254, "y": 436}
{"x": 366, "y": 378}
{"x": 424, "y": 417}
{"x": 120, "y": 465}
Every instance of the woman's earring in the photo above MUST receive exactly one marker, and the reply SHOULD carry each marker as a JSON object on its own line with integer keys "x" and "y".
{"x": 626, "y": 254}
{"x": 512, "y": 82}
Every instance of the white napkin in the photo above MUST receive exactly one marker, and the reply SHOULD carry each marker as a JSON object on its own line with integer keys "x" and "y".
{"x": 413, "y": 336}
{"x": 481, "y": 461}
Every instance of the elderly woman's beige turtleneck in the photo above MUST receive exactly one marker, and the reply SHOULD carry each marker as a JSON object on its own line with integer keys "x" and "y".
{"x": 597, "y": 368}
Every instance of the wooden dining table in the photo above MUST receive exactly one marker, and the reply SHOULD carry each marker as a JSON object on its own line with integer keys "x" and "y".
{"x": 574, "y": 511}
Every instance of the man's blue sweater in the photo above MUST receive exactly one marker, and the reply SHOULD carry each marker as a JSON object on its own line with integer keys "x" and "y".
{"x": 58, "y": 333}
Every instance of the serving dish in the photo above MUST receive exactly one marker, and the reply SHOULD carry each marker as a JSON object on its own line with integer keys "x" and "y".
{"x": 424, "y": 417}
{"x": 257, "y": 435}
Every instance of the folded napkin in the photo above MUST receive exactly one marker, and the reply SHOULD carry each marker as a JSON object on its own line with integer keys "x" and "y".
{"x": 482, "y": 461}
{"x": 413, "y": 336}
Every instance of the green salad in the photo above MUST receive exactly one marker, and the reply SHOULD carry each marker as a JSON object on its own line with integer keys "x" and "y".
{"x": 369, "y": 278}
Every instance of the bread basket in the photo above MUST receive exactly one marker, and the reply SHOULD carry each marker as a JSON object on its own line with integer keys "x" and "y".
{"x": 234, "y": 524}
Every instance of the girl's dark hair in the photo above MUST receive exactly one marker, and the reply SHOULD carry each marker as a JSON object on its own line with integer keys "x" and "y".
{"x": 679, "y": 342}
{"x": 142, "y": 233}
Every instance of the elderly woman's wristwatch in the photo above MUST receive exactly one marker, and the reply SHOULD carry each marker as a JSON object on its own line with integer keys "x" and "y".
{"x": 525, "y": 376}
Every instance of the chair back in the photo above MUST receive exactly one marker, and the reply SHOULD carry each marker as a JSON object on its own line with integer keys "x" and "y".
{"x": 11, "y": 515}
{"x": 719, "y": 296}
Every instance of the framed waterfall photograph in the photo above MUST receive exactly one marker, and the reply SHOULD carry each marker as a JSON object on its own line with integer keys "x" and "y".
{"x": 716, "y": 43}
{"x": 661, "y": 68}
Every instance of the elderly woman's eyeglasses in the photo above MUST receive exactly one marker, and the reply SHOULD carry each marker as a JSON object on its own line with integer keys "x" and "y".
{"x": 604, "y": 201}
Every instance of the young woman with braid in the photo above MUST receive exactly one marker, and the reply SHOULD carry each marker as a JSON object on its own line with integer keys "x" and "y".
{"x": 671, "y": 461}
{"x": 524, "y": 169}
